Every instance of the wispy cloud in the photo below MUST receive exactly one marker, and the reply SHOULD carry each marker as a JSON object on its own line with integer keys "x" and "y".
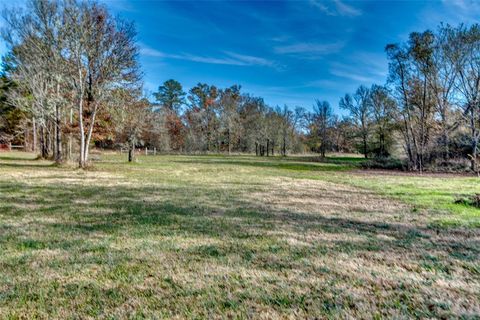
{"x": 150, "y": 52}
{"x": 352, "y": 76}
{"x": 120, "y": 5}
{"x": 324, "y": 83}
{"x": 229, "y": 58}
{"x": 346, "y": 10}
{"x": 323, "y": 7}
{"x": 305, "y": 48}
{"x": 336, "y": 8}
{"x": 466, "y": 11}
{"x": 362, "y": 69}
{"x": 250, "y": 60}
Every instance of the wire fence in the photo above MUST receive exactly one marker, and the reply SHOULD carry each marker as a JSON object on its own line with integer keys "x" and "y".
{"x": 145, "y": 151}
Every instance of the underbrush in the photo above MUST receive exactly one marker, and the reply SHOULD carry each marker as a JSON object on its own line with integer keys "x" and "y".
{"x": 471, "y": 200}
{"x": 384, "y": 164}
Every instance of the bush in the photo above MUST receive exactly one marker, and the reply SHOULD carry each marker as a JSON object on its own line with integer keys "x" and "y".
{"x": 473, "y": 200}
{"x": 455, "y": 165}
{"x": 385, "y": 163}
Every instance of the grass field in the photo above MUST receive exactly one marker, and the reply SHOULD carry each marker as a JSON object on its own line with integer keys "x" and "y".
{"x": 234, "y": 237}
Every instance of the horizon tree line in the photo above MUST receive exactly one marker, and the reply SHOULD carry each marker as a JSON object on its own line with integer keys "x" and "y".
{"x": 72, "y": 79}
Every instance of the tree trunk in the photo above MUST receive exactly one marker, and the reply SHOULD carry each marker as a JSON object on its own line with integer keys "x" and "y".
{"x": 26, "y": 145}
{"x": 131, "y": 153}
{"x": 48, "y": 139}
{"x": 43, "y": 146}
{"x": 473, "y": 162}
{"x": 34, "y": 131}
{"x": 268, "y": 145}
{"x": 58, "y": 140}
{"x": 229, "y": 143}
{"x": 70, "y": 137}
{"x": 89, "y": 138}
{"x": 365, "y": 146}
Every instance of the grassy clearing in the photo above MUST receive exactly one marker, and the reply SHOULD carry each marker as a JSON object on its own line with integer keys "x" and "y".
{"x": 240, "y": 237}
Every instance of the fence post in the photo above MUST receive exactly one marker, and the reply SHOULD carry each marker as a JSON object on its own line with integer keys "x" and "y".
{"x": 146, "y": 151}
{"x": 154, "y": 151}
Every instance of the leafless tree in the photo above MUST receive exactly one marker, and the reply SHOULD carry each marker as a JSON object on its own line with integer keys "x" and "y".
{"x": 464, "y": 54}
{"x": 102, "y": 55}
{"x": 360, "y": 110}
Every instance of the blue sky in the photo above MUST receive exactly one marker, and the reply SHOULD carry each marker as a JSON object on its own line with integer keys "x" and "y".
{"x": 289, "y": 52}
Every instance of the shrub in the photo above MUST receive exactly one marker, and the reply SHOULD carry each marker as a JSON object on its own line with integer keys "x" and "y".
{"x": 472, "y": 200}
{"x": 386, "y": 163}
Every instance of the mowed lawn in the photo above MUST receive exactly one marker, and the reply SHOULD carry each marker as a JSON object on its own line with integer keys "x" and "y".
{"x": 234, "y": 237}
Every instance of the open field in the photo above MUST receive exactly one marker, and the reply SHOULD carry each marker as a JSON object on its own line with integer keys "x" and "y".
{"x": 238, "y": 237}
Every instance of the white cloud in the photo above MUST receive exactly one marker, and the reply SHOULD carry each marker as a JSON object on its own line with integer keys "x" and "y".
{"x": 150, "y": 52}
{"x": 324, "y": 83}
{"x": 323, "y": 7}
{"x": 119, "y": 5}
{"x": 230, "y": 58}
{"x": 252, "y": 60}
{"x": 352, "y": 76}
{"x": 310, "y": 48}
{"x": 336, "y": 8}
{"x": 346, "y": 10}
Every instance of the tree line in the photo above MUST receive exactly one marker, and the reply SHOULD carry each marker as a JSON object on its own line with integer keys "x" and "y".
{"x": 67, "y": 60}
{"x": 72, "y": 80}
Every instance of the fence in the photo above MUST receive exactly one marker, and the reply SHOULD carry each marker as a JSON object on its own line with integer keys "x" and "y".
{"x": 18, "y": 147}
{"x": 144, "y": 151}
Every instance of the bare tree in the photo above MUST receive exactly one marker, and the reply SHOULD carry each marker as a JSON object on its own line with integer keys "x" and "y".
{"x": 442, "y": 80}
{"x": 35, "y": 38}
{"x": 464, "y": 54}
{"x": 383, "y": 116}
{"x": 102, "y": 55}
{"x": 323, "y": 119}
{"x": 410, "y": 68}
{"x": 360, "y": 110}
{"x": 129, "y": 112}
{"x": 229, "y": 102}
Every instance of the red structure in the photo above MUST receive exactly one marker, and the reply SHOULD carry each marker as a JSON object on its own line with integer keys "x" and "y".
{"x": 5, "y": 147}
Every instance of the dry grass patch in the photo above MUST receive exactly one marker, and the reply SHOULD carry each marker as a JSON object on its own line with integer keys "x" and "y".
{"x": 171, "y": 238}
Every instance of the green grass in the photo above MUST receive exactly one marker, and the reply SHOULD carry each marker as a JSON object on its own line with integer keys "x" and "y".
{"x": 234, "y": 237}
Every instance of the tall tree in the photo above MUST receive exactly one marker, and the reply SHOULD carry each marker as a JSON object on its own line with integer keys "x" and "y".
{"x": 202, "y": 116}
{"x": 323, "y": 119}
{"x": 35, "y": 38}
{"x": 442, "y": 81}
{"x": 229, "y": 104}
{"x": 171, "y": 98}
{"x": 383, "y": 116}
{"x": 410, "y": 68}
{"x": 359, "y": 108}
{"x": 102, "y": 55}
{"x": 171, "y": 95}
{"x": 129, "y": 112}
{"x": 464, "y": 43}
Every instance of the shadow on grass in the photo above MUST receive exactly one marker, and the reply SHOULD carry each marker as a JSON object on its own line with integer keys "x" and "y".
{"x": 79, "y": 210}
{"x": 89, "y": 223}
{"x": 18, "y": 156}
{"x": 29, "y": 165}
{"x": 275, "y": 164}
